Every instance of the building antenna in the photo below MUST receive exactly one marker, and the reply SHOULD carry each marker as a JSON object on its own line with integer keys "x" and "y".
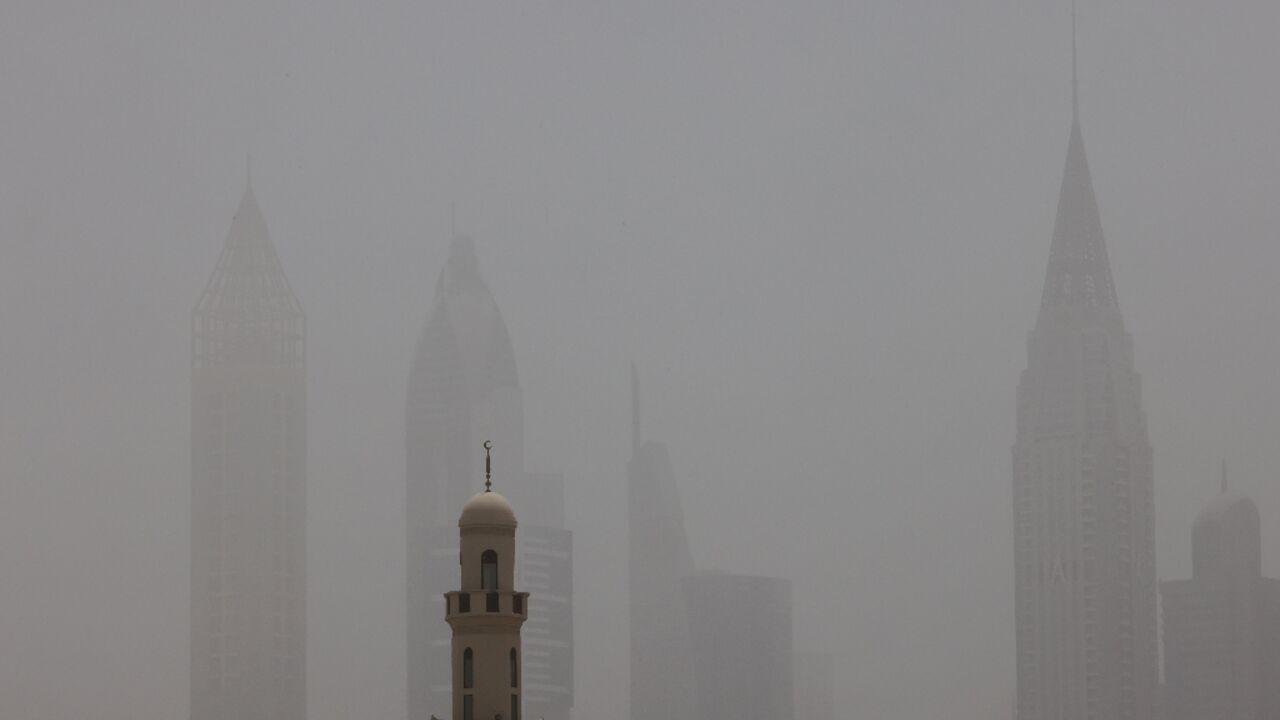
{"x": 1075, "y": 74}
{"x": 488, "y": 466}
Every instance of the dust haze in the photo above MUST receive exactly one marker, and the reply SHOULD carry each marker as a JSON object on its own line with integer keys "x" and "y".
{"x": 819, "y": 230}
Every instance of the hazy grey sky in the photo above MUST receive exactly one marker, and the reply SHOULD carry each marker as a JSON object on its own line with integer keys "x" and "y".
{"x": 820, "y": 228}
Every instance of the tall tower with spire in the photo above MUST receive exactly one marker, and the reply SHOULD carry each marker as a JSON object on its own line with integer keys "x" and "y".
{"x": 1082, "y": 485}
{"x": 248, "y": 485}
{"x": 662, "y": 667}
{"x": 463, "y": 385}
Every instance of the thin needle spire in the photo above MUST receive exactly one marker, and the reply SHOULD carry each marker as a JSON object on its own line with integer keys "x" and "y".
{"x": 1075, "y": 75}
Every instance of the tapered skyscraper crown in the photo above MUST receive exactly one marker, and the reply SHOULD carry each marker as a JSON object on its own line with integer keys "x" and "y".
{"x": 248, "y": 485}
{"x": 466, "y": 318}
{"x": 1079, "y": 274}
{"x": 248, "y": 314}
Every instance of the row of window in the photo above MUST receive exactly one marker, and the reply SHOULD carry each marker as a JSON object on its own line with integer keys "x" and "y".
{"x": 492, "y": 602}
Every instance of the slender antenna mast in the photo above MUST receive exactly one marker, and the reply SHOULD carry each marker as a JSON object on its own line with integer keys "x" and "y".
{"x": 1075, "y": 74}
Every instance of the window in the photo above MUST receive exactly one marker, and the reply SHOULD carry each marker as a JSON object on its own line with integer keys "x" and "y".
{"x": 491, "y": 602}
{"x": 464, "y": 602}
{"x": 468, "y": 670}
{"x": 515, "y": 669}
{"x": 468, "y": 708}
{"x": 515, "y": 707}
{"x": 489, "y": 570}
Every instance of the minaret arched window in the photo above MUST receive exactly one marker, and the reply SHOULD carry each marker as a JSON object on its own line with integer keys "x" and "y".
{"x": 515, "y": 669}
{"x": 468, "y": 670}
{"x": 489, "y": 570}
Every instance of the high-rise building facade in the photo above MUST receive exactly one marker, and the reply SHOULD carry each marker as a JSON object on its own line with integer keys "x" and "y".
{"x": 662, "y": 677}
{"x": 1082, "y": 487}
{"x": 463, "y": 388}
{"x": 1222, "y": 659}
{"x": 248, "y": 485}
{"x": 740, "y": 626}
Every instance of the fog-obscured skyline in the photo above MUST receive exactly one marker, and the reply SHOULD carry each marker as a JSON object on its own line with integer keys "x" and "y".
{"x": 820, "y": 230}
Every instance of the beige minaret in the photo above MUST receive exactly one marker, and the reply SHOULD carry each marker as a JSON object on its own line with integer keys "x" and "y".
{"x": 486, "y": 614}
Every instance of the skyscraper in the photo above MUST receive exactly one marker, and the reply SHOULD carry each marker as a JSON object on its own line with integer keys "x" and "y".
{"x": 740, "y": 626}
{"x": 662, "y": 679}
{"x": 1222, "y": 659}
{"x": 248, "y": 485}
{"x": 1082, "y": 487}
{"x": 463, "y": 388}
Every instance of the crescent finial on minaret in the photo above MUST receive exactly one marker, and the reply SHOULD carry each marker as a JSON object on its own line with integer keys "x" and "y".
{"x": 488, "y": 466}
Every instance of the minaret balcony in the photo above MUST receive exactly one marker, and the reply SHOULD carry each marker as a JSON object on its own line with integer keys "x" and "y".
{"x": 486, "y": 603}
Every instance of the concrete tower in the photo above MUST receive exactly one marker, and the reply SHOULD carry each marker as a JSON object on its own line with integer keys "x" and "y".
{"x": 1220, "y": 641}
{"x": 486, "y": 613}
{"x": 464, "y": 386}
{"x": 248, "y": 485}
{"x": 1082, "y": 487}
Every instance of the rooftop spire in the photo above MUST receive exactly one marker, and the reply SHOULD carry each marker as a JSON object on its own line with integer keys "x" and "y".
{"x": 1079, "y": 273}
{"x": 488, "y": 466}
{"x": 1075, "y": 74}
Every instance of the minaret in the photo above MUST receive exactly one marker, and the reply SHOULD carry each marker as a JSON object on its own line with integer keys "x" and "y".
{"x": 1084, "y": 545}
{"x": 248, "y": 485}
{"x": 486, "y": 613}
{"x": 464, "y": 387}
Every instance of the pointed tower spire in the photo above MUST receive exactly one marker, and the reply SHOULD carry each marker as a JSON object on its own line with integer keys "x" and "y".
{"x": 1075, "y": 74}
{"x": 1079, "y": 273}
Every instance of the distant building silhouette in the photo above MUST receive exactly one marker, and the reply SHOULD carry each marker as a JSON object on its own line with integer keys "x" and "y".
{"x": 463, "y": 387}
{"x": 814, "y": 686}
{"x": 486, "y": 613}
{"x": 1222, "y": 627}
{"x": 248, "y": 485}
{"x": 1082, "y": 487}
{"x": 741, "y": 631}
{"x": 662, "y": 677}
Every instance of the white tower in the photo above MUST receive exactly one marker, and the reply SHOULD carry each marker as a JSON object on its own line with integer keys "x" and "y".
{"x": 486, "y": 613}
